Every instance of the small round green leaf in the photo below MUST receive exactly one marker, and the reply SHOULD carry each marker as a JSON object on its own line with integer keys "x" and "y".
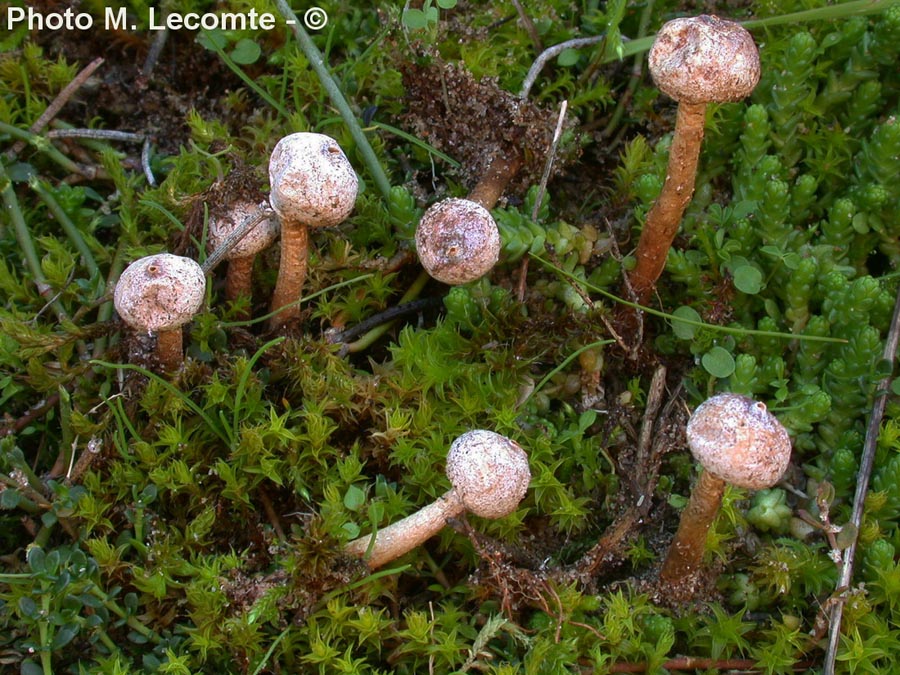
{"x": 414, "y": 19}
{"x": 683, "y": 330}
{"x": 354, "y": 498}
{"x": 245, "y": 52}
{"x": 28, "y": 608}
{"x": 718, "y": 362}
{"x": 748, "y": 279}
{"x": 567, "y": 57}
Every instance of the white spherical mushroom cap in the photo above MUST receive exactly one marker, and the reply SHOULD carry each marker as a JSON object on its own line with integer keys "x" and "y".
{"x": 160, "y": 292}
{"x": 458, "y": 241}
{"x": 311, "y": 181}
{"x": 704, "y": 59}
{"x": 739, "y": 440}
{"x": 489, "y": 473}
{"x": 222, "y": 222}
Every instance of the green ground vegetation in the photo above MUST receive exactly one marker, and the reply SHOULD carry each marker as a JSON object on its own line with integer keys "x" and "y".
{"x": 195, "y": 523}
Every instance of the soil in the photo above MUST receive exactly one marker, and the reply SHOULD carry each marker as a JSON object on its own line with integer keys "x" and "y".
{"x": 185, "y": 76}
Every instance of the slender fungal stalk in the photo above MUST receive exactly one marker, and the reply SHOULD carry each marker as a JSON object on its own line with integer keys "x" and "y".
{"x": 663, "y": 219}
{"x": 406, "y": 534}
{"x": 686, "y": 551}
{"x": 169, "y": 351}
{"x": 291, "y": 274}
{"x": 497, "y": 176}
{"x": 239, "y": 279}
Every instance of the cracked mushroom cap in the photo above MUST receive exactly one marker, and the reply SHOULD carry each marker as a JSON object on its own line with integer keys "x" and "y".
{"x": 704, "y": 59}
{"x": 458, "y": 241}
{"x": 739, "y": 440}
{"x": 311, "y": 180}
{"x": 160, "y": 292}
{"x": 489, "y": 473}
{"x": 225, "y": 221}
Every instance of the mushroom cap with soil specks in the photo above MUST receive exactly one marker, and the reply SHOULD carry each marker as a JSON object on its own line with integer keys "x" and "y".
{"x": 224, "y": 221}
{"x": 739, "y": 440}
{"x": 489, "y": 473}
{"x": 160, "y": 292}
{"x": 457, "y": 241}
{"x": 311, "y": 181}
{"x": 704, "y": 59}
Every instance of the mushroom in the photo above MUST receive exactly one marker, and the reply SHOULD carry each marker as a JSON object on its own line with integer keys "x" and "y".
{"x": 312, "y": 184}
{"x": 222, "y": 222}
{"x": 457, "y": 239}
{"x": 696, "y": 61}
{"x": 489, "y": 476}
{"x": 739, "y": 442}
{"x": 159, "y": 294}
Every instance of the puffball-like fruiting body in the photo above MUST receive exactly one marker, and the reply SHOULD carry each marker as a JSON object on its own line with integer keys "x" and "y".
{"x": 457, "y": 241}
{"x": 739, "y": 440}
{"x": 489, "y": 472}
{"x": 224, "y": 221}
{"x": 160, "y": 292}
{"x": 311, "y": 180}
{"x": 704, "y": 59}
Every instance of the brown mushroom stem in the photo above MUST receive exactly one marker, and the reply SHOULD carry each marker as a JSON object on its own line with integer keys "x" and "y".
{"x": 685, "y": 554}
{"x": 661, "y": 224}
{"x": 169, "y": 351}
{"x": 291, "y": 275}
{"x": 406, "y": 534}
{"x": 239, "y": 280}
{"x": 494, "y": 181}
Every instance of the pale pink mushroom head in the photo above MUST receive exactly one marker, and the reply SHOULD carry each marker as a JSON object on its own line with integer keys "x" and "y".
{"x": 739, "y": 440}
{"x": 311, "y": 181}
{"x": 489, "y": 473}
{"x": 457, "y": 241}
{"x": 704, "y": 59}
{"x": 160, "y": 292}
{"x": 222, "y": 224}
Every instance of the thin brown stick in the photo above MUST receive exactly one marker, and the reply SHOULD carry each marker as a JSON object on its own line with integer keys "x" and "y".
{"x": 862, "y": 484}
{"x": 57, "y": 104}
{"x": 30, "y": 415}
{"x": 696, "y": 663}
{"x": 529, "y": 26}
{"x": 291, "y": 274}
{"x": 271, "y": 514}
{"x": 664, "y": 217}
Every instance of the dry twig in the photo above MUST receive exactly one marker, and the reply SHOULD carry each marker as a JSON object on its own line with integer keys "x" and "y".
{"x": 862, "y": 485}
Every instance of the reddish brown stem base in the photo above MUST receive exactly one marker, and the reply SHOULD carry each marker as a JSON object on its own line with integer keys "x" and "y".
{"x": 685, "y": 555}
{"x": 169, "y": 351}
{"x": 291, "y": 274}
{"x": 238, "y": 281}
{"x": 661, "y": 224}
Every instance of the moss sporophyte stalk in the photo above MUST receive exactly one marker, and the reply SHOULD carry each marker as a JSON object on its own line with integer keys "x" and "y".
{"x": 311, "y": 484}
